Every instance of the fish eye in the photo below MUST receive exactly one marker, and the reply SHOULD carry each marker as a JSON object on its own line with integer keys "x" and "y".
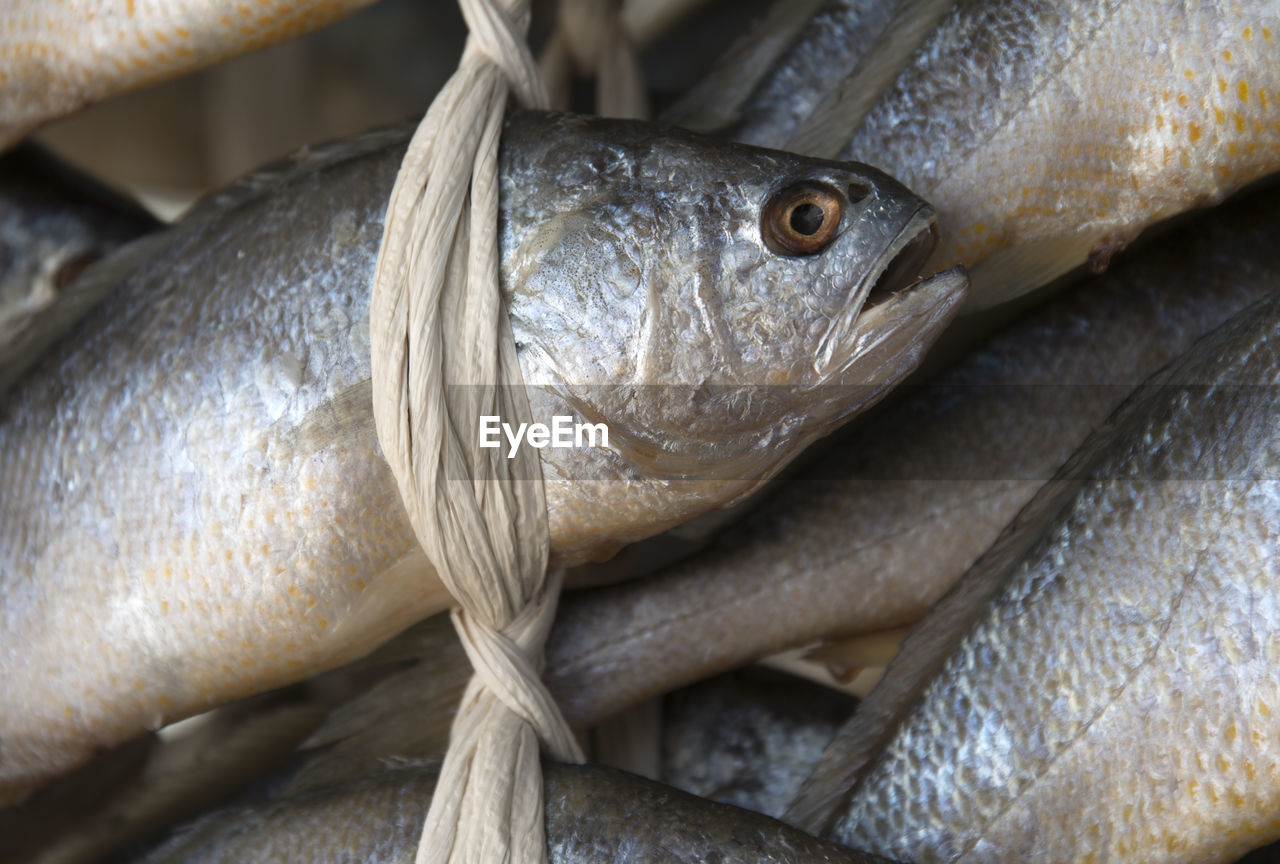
{"x": 801, "y": 219}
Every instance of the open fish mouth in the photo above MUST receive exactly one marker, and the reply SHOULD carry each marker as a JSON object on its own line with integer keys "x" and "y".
{"x": 894, "y": 276}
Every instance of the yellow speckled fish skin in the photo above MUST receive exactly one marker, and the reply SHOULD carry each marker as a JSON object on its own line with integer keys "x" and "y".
{"x": 1116, "y": 697}
{"x": 57, "y": 56}
{"x": 194, "y": 503}
{"x": 1049, "y": 134}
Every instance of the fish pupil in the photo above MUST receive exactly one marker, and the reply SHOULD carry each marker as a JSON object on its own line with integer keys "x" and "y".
{"x": 806, "y": 219}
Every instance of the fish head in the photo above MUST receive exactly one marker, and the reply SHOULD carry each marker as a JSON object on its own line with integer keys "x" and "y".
{"x": 715, "y": 306}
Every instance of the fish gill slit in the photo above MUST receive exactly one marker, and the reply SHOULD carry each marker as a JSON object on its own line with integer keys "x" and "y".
{"x": 904, "y": 271}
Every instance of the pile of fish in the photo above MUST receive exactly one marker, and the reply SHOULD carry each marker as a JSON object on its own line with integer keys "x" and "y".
{"x": 284, "y": 550}
{"x": 1082, "y": 512}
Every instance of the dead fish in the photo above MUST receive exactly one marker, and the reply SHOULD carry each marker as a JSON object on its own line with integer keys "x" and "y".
{"x": 195, "y": 506}
{"x": 593, "y": 814}
{"x": 875, "y": 531}
{"x": 1047, "y": 135}
{"x": 872, "y": 533}
{"x": 57, "y": 59}
{"x": 54, "y": 223}
{"x": 1101, "y": 686}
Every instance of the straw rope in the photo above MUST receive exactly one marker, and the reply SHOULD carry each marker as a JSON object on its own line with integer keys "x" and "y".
{"x": 443, "y": 356}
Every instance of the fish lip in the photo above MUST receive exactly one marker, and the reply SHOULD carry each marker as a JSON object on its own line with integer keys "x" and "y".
{"x": 895, "y": 274}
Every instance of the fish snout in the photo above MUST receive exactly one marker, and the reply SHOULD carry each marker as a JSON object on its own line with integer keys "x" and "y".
{"x": 892, "y": 240}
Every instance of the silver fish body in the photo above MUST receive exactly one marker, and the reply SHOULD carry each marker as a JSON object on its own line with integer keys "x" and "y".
{"x": 1101, "y": 686}
{"x": 195, "y": 506}
{"x": 873, "y": 532}
{"x": 593, "y": 814}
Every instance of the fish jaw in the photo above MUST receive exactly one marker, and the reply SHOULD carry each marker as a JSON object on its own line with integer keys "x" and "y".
{"x": 891, "y": 338}
{"x": 904, "y": 256}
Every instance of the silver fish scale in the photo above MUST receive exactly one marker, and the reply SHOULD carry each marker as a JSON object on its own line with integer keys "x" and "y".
{"x": 1118, "y": 702}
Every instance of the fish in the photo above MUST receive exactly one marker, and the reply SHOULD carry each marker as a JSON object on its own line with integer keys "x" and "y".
{"x": 1073, "y": 127}
{"x": 195, "y": 506}
{"x": 55, "y": 222}
{"x": 58, "y": 60}
{"x": 593, "y": 814}
{"x": 1100, "y": 686}
{"x": 1048, "y": 136}
{"x": 870, "y": 534}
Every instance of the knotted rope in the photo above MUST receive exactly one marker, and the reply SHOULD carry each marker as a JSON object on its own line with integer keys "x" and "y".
{"x": 443, "y": 356}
